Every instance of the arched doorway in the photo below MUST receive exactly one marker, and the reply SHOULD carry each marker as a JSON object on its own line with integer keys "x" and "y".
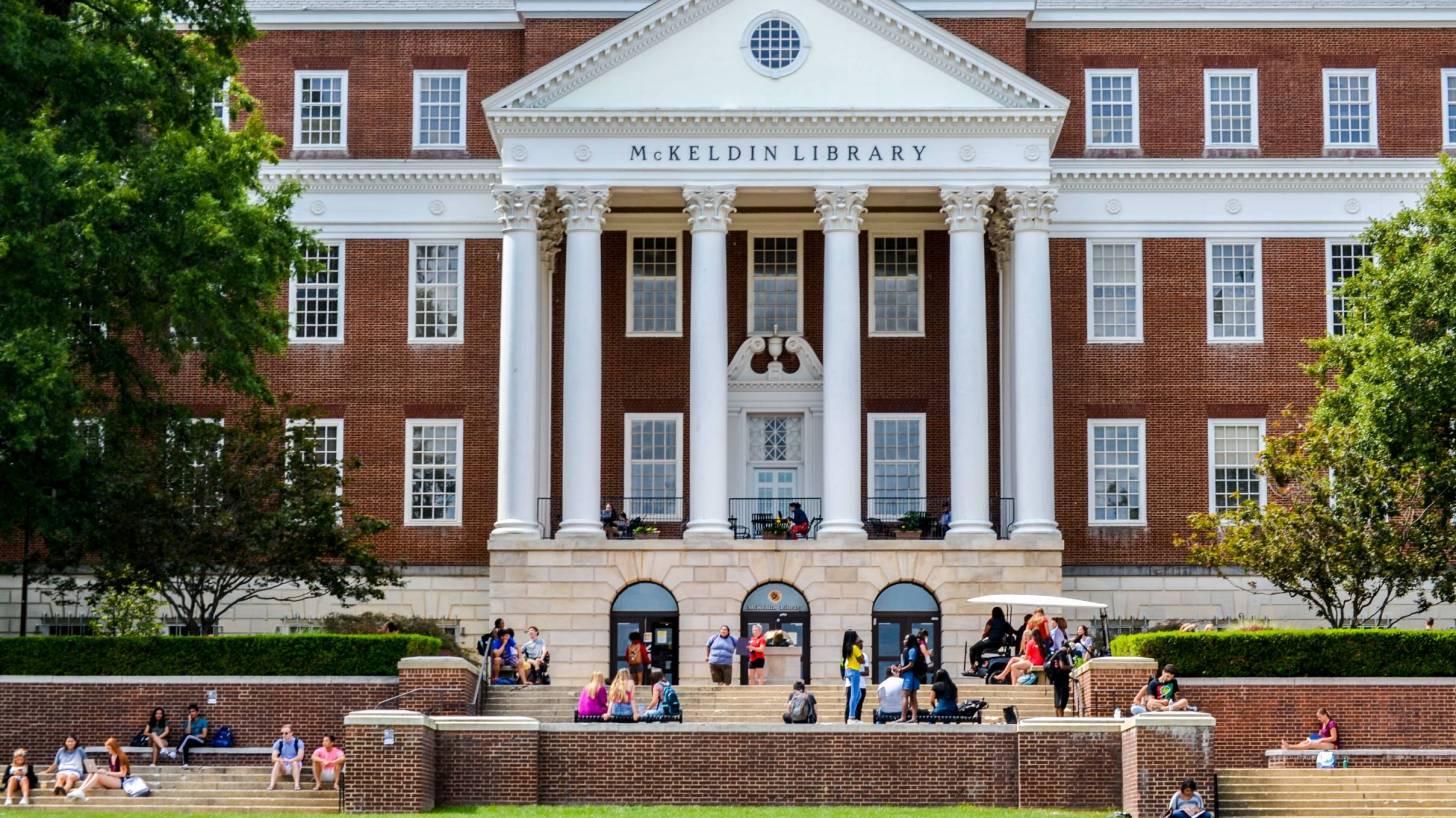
{"x": 900, "y": 609}
{"x": 651, "y": 610}
{"x": 776, "y": 606}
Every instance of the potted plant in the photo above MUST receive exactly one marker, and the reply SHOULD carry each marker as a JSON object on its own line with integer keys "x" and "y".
{"x": 644, "y": 532}
{"x": 776, "y": 530}
{"x": 912, "y": 523}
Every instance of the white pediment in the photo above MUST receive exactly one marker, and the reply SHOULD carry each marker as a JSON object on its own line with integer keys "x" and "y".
{"x": 867, "y": 55}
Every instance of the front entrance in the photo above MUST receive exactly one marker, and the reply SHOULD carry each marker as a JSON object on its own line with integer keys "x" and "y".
{"x": 650, "y": 610}
{"x": 902, "y": 609}
{"x": 783, "y": 613}
{"x": 774, "y": 488}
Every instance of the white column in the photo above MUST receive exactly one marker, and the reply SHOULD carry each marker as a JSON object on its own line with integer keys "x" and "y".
{"x": 581, "y": 382}
{"x": 1031, "y": 211}
{"x": 709, "y": 210}
{"x": 965, "y": 212}
{"x": 840, "y": 212}
{"x": 516, "y": 465}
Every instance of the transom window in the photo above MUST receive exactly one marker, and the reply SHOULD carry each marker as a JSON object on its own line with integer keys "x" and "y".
{"x": 1115, "y": 469}
{"x": 435, "y": 293}
{"x": 1112, "y": 108}
{"x": 774, "y": 285}
{"x": 776, "y": 438}
{"x": 1233, "y": 461}
{"x": 1235, "y": 304}
{"x": 1350, "y": 108}
{"x": 1232, "y": 114}
{"x": 774, "y": 44}
{"x": 316, "y": 297}
{"x": 1344, "y": 260}
{"x": 432, "y": 493}
{"x": 896, "y": 274}
{"x": 439, "y": 109}
{"x": 654, "y": 466}
{"x": 897, "y": 464}
{"x": 1114, "y": 290}
{"x": 321, "y": 116}
{"x": 655, "y": 269}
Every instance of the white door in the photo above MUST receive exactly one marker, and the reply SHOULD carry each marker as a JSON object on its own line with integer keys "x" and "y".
{"x": 773, "y": 488}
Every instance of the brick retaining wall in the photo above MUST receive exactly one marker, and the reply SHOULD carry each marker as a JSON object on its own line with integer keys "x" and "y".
{"x": 1087, "y": 755}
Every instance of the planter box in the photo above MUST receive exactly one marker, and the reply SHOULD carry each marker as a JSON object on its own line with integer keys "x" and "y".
{"x": 775, "y": 535}
{"x": 907, "y": 535}
{"x": 652, "y": 536}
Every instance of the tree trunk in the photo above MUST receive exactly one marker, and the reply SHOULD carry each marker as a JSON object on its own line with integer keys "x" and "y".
{"x": 25, "y": 579}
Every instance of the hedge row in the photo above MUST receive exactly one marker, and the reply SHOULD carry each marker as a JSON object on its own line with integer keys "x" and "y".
{"x": 1298, "y": 653}
{"x": 267, "y": 655}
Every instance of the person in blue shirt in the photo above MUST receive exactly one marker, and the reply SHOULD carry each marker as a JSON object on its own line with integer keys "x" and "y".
{"x": 287, "y": 758}
{"x": 502, "y": 652}
{"x": 798, "y": 522}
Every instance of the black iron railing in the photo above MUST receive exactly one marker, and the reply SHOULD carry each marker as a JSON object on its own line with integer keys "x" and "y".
{"x": 756, "y": 518}
{"x": 623, "y": 517}
{"x": 897, "y": 517}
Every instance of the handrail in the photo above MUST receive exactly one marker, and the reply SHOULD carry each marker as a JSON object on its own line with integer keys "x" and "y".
{"x": 412, "y": 692}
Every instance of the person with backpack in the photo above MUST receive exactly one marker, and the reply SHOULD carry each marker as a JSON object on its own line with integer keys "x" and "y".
{"x": 803, "y": 709}
{"x": 637, "y": 656}
{"x": 664, "y": 703}
{"x": 912, "y": 670}
{"x": 287, "y": 758}
{"x": 1059, "y": 672}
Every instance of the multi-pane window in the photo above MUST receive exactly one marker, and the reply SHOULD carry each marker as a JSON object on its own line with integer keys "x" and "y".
{"x": 439, "y": 109}
{"x": 436, "y": 293}
{"x": 654, "y": 466}
{"x": 1233, "y": 459}
{"x": 325, "y": 438}
{"x": 1448, "y": 106}
{"x": 1115, "y": 470}
{"x": 773, "y": 279}
{"x": 896, "y": 282}
{"x": 1112, "y": 108}
{"x": 1350, "y": 108}
{"x": 1344, "y": 260}
{"x": 432, "y": 491}
{"x": 897, "y": 464}
{"x": 654, "y": 270}
{"x": 1234, "y": 302}
{"x": 316, "y": 297}
{"x": 1114, "y": 291}
{"x": 321, "y": 110}
{"x": 1231, "y": 116}
{"x": 220, "y": 108}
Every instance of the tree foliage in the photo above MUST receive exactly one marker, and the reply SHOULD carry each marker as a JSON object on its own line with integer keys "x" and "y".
{"x": 127, "y": 609}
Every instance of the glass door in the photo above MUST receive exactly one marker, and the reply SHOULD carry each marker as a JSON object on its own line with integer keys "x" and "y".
{"x": 890, "y": 633}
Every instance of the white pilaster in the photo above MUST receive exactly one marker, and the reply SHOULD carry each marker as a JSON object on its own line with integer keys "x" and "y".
{"x": 965, "y": 212}
{"x": 1031, "y": 210}
{"x": 581, "y": 399}
{"x": 516, "y": 465}
{"x": 709, "y": 210}
{"x": 841, "y": 210}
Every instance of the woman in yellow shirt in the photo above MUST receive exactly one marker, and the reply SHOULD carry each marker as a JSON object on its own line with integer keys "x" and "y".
{"x": 853, "y": 661}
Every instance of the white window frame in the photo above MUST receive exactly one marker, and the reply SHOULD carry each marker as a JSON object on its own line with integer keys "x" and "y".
{"x": 226, "y": 108}
{"x": 1374, "y": 107}
{"x": 1253, "y": 75}
{"x": 1214, "y": 423}
{"x": 1330, "y": 279}
{"x": 919, "y": 237}
{"x": 1141, "y": 425}
{"x": 798, "y": 279}
{"x": 1137, "y": 338}
{"x": 319, "y": 423}
{"x": 676, "y": 332}
{"x": 420, "y": 74}
{"x": 1137, "y": 138}
{"x": 298, "y": 77}
{"x": 1258, "y": 336}
{"x": 870, "y": 418}
{"x": 409, "y": 428}
{"x": 628, "y": 418}
{"x": 414, "y": 284}
{"x": 293, "y": 337}
{"x": 1448, "y": 109}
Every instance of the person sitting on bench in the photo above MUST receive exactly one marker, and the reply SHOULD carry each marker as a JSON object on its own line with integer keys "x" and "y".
{"x": 1326, "y": 738}
{"x": 943, "y": 695}
{"x": 533, "y": 658}
{"x": 593, "y": 700}
{"x": 664, "y": 703}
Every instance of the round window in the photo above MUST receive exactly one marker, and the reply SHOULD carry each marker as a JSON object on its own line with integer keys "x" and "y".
{"x": 774, "y": 44}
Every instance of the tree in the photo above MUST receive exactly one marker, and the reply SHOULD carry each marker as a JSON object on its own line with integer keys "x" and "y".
{"x": 127, "y": 610}
{"x": 133, "y": 227}
{"x": 215, "y": 516}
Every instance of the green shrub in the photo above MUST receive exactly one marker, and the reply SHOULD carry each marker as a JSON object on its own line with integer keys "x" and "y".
{"x": 267, "y": 655}
{"x": 1298, "y": 653}
{"x": 375, "y": 622}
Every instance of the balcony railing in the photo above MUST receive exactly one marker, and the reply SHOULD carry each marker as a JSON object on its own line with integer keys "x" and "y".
{"x": 887, "y": 518}
{"x": 666, "y": 514}
{"x": 756, "y": 518}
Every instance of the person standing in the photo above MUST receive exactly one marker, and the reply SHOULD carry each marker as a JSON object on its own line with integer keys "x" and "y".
{"x": 852, "y": 653}
{"x": 757, "y": 672}
{"x": 912, "y": 669}
{"x": 637, "y": 656}
{"x": 721, "y": 649}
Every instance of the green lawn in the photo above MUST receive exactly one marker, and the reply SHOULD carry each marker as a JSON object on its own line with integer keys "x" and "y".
{"x": 649, "y": 812}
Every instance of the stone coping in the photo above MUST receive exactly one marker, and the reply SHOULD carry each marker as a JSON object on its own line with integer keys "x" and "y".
{"x": 436, "y": 663}
{"x": 1176, "y": 719}
{"x": 822, "y": 727}
{"x": 461, "y": 724}
{"x": 1049, "y": 724}
{"x": 388, "y": 718}
{"x": 1367, "y": 753}
{"x": 1319, "y": 681}
{"x": 826, "y": 542}
{"x": 200, "y": 680}
{"x": 1115, "y": 663}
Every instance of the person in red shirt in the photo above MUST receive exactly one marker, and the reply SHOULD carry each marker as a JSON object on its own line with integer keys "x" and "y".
{"x": 757, "y": 673}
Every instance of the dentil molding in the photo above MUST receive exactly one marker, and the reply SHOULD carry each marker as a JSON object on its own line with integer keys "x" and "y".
{"x": 840, "y": 208}
{"x": 584, "y": 208}
{"x": 709, "y": 208}
{"x": 966, "y": 208}
{"x": 519, "y": 207}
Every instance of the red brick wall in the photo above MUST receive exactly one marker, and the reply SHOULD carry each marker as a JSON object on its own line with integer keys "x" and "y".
{"x": 1088, "y": 769}
{"x": 547, "y": 39}
{"x": 1103, "y": 687}
{"x": 437, "y": 691}
{"x": 396, "y": 778}
{"x": 1003, "y": 38}
{"x": 499, "y": 767}
{"x": 1155, "y": 760}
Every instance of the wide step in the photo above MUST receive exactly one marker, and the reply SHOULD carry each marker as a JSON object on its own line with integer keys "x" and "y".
{"x": 203, "y": 790}
{"x": 1340, "y": 793}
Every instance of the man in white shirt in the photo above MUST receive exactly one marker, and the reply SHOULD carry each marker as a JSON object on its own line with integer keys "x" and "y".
{"x": 892, "y": 697}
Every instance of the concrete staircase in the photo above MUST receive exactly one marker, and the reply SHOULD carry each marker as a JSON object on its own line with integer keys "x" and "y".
{"x": 1341, "y": 793}
{"x": 200, "y": 790}
{"x": 754, "y": 705}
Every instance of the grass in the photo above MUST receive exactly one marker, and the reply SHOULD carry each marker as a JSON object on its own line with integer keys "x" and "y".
{"x": 647, "y": 812}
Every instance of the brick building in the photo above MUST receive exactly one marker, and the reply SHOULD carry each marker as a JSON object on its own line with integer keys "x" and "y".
{"x": 1049, "y": 264}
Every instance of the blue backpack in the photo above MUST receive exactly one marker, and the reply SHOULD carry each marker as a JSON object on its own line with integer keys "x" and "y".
{"x": 671, "y": 706}
{"x": 223, "y": 737}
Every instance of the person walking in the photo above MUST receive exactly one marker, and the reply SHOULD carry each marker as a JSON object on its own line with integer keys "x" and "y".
{"x": 721, "y": 649}
{"x": 852, "y": 654}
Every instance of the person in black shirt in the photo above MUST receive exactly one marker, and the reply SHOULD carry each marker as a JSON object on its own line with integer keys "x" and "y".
{"x": 997, "y": 632}
{"x": 944, "y": 694}
{"x": 1164, "y": 689}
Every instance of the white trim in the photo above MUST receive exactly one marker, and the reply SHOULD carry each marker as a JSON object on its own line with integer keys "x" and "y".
{"x": 1253, "y": 75}
{"x": 293, "y": 338}
{"x": 464, "y": 106}
{"x": 1263, "y": 432}
{"x": 1141, "y": 425}
{"x": 627, "y": 420}
{"x": 873, "y": 303}
{"x": 1258, "y": 336}
{"x": 1330, "y": 278}
{"x": 1325, "y": 76}
{"x": 409, "y": 427}
{"x": 745, "y": 44}
{"x": 1087, "y": 75}
{"x": 1448, "y": 108}
{"x": 1137, "y": 255}
{"x": 343, "y": 76}
{"x": 459, "y": 337}
{"x": 798, "y": 278}
{"x": 226, "y": 102}
{"x": 870, "y": 418}
{"x": 336, "y": 423}
{"x": 676, "y": 237}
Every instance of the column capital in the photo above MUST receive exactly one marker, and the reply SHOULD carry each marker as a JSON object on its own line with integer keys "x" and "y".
{"x": 550, "y": 231}
{"x": 519, "y": 207}
{"x": 1031, "y": 207}
{"x": 966, "y": 208}
{"x": 584, "y": 208}
{"x": 840, "y": 208}
{"x": 709, "y": 208}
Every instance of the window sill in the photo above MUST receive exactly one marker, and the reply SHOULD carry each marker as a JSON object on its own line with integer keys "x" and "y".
{"x": 1246, "y": 152}
{"x": 1349, "y": 152}
{"x": 1113, "y": 152}
{"x": 341, "y": 152}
